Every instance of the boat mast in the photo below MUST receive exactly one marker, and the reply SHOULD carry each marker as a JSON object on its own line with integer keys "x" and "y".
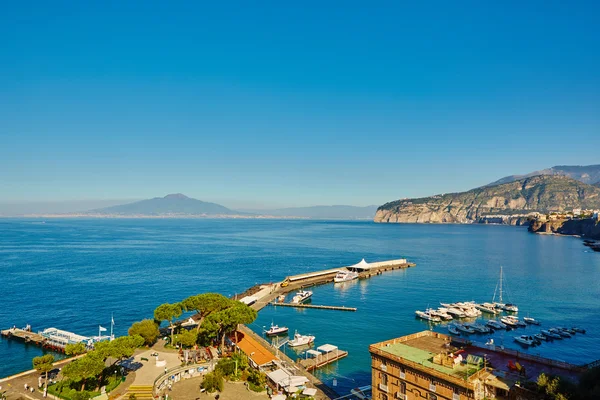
{"x": 501, "y": 284}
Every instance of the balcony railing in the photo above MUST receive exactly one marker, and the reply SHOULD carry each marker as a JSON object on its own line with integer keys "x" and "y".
{"x": 383, "y": 388}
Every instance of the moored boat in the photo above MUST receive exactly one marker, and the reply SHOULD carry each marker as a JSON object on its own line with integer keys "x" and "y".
{"x": 302, "y": 296}
{"x": 452, "y": 329}
{"x": 485, "y": 307}
{"x": 540, "y": 336}
{"x": 275, "y": 330}
{"x": 345, "y": 276}
{"x": 532, "y": 321}
{"x": 427, "y": 316}
{"x": 509, "y": 321}
{"x": 495, "y": 324}
{"x": 301, "y": 340}
{"x": 551, "y": 335}
{"x": 578, "y": 330}
{"x": 455, "y": 312}
{"x": 442, "y": 314}
{"x": 525, "y": 339}
{"x": 480, "y": 328}
{"x": 465, "y": 328}
{"x": 560, "y": 332}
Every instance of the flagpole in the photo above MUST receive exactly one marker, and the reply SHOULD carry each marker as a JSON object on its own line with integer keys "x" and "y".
{"x": 112, "y": 324}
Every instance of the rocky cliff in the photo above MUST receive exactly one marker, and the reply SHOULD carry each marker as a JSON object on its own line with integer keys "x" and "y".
{"x": 513, "y": 203}
{"x": 588, "y": 228}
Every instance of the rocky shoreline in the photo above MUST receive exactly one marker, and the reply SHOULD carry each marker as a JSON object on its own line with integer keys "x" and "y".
{"x": 587, "y": 228}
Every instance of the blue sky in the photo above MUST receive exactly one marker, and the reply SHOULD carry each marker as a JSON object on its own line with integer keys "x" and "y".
{"x": 276, "y": 104}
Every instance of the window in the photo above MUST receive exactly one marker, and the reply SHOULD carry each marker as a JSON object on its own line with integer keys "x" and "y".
{"x": 402, "y": 373}
{"x": 403, "y": 388}
{"x": 383, "y": 396}
{"x": 432, "y": 396}
{"x": 384, "y": 379}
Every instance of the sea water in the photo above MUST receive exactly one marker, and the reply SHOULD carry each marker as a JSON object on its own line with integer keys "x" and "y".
{"x": 73, "y": 274}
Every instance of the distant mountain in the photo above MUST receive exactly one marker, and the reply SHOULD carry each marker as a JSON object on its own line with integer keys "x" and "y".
{"x": 172, "y": 204}
{"x": 589, "y": 174}
{"x": 543, "y": 193}
{"x": 321, "y": 212}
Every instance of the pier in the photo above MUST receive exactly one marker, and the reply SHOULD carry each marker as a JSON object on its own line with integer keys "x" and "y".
{"x": 300, "y": 305}
{"x": 324, "y": 355}
{"x": 24, "y": 335}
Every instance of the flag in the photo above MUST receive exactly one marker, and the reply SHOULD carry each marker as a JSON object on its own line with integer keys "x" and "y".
{"x": 101, "y": 329}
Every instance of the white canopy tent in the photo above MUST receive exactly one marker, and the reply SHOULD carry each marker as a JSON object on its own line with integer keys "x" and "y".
{"x": 327, "y": 348}
{"x": 361, "y": 266}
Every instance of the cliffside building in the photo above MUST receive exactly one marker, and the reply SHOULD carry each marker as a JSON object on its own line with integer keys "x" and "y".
{"x": 434, "y": 366}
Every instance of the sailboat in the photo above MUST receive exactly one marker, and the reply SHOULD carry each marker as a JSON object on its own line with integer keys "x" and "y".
{"x": 499, "y": 304}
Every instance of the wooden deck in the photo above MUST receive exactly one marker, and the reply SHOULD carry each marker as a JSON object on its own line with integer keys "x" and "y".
{"x": 338, "y": 308}
{"x": 26, "y": 336}
{"x": 323, "y": 359}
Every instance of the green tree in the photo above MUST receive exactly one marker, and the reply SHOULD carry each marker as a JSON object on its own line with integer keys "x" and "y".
{"x": 44, "y": 364}
{"x": 83, "y": 395}
{"x": 168, "y": 312}
{"x": 226, "y": 321}
{"x": 146, "y": 329}
{"x": 120, "y": 348}
{"x": 186, "y": 338}
{"x": 89, "y": 366}
{"x": 205, "y": 304}
{"x": 256, "y": 380}
{"x": 213, "y": 381}
{"x": 75, "y": 349}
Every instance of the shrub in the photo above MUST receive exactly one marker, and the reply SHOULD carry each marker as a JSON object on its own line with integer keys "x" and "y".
{"x": 226, "y": 367}
{"x": 213, "y": 381}
{"x": 256, "y": 380}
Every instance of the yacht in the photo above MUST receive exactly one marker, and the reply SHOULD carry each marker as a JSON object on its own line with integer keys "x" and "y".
{"x": 569, "y": 331}
{"x": 301, "y": 340}
{"x": 532, "y": 321}
{"x": 551, "y": 335}
{"x": 500, "y": 305}
{"x": 345, "y": 276}
{"x": 465, "y": 328}
{"x": 442, "y": 314}
{"x": 276, "y": 330}
{"x": 487, "y": 308}
{"x": 427, "y": 316}
{"x": 495, "y": 324}
{"x": 455, "y": 312}
{"x": 302, "y": 296}
{"x": 540, "y": 336}
{"x": 452, "y": 329}
{"x": 524, "y": 339}
{"x": 509, "y": 321}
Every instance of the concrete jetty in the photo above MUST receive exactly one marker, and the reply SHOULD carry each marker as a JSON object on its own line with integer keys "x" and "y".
{"x": 338, "y": 308}
{"x": 24, "y": 335}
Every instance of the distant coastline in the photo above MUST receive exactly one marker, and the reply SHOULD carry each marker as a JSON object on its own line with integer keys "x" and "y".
{"x": 176, "y": 216}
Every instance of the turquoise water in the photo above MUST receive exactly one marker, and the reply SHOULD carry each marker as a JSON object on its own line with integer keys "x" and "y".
{"x": 72, "y": 274}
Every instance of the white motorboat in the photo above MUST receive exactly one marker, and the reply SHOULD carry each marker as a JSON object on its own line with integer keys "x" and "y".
{"x": 492, "y": 323}
{"x": 551, "y": 335}
{"x": 443, "y": 315}
{"x": 301, "y": 340}
{"x": 275, "y": 330}
{"x": 487, "y": 308}
{"x": 465, "y": 328}
{"x": 302, "y": 296}
{"x": 472, "y": 312}
{"x": 525, "y": 339}
{"x": 509, "y": 321}
{"x": 427, "y": 316}
{"x": 345, "y": 276}
{"x": 452, "y": 329}
{"x": 455, "y": 312}
{"x": 531, "y": 321}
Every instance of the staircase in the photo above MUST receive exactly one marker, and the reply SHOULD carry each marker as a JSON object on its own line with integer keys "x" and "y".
{"x": 141, "y": 392}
